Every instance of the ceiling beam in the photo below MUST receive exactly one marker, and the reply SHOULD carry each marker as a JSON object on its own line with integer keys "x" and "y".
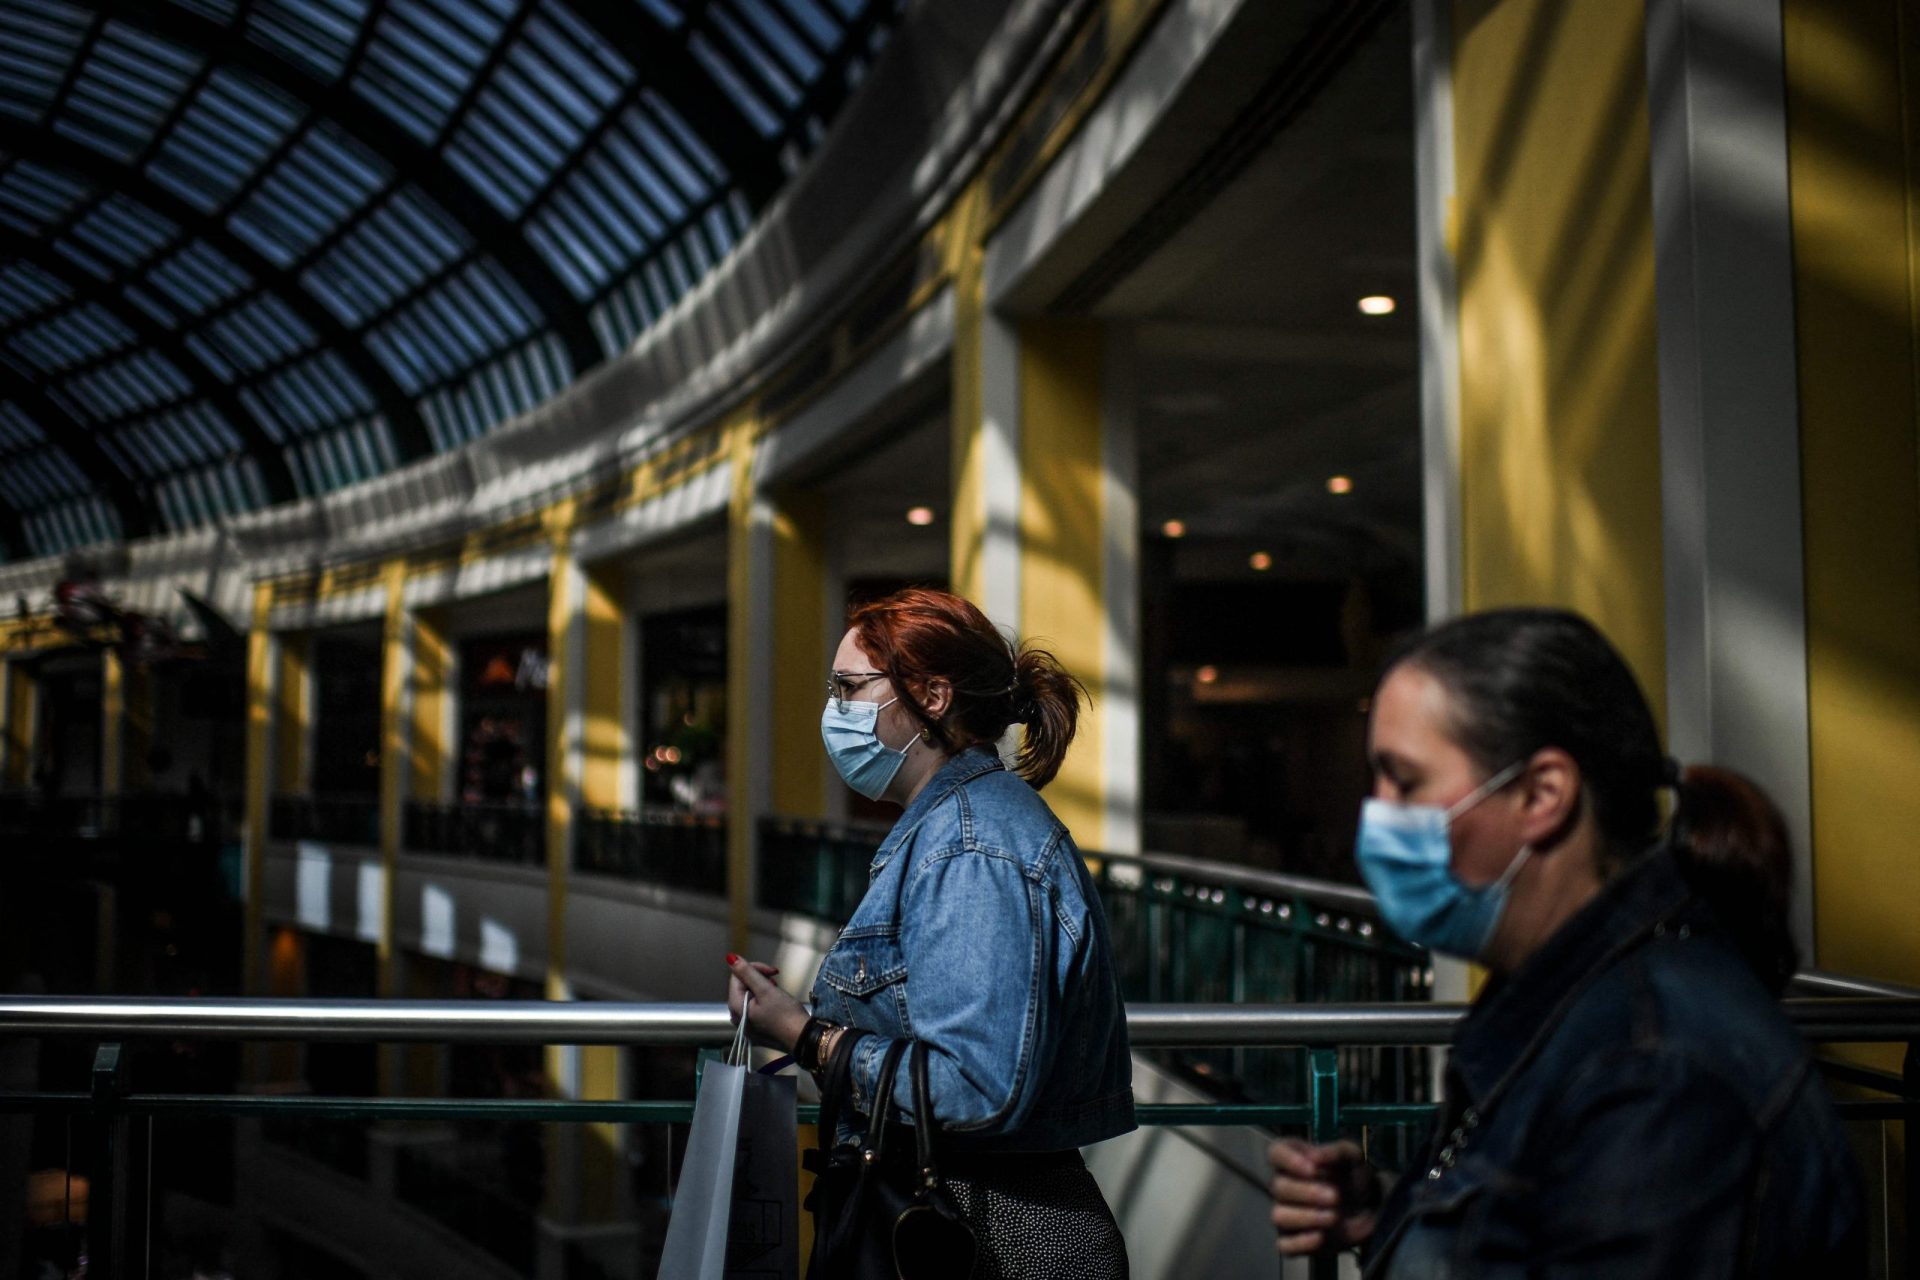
{"x": 409, "y": 161}
{"x": 403, "y": 416}
{"x": 268, "y": 456}
{"x": 72, "y": 437}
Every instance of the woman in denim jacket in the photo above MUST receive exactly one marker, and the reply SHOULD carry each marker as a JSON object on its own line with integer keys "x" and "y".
{"x": 1625, "y": 1098}
{"x": 980, "y": 933}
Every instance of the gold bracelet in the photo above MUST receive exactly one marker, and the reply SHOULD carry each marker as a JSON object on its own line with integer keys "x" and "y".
{"x": 829, "y": 1041}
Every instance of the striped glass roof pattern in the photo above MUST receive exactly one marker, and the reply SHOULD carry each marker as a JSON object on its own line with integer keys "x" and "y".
{"x": 256, "y": 250}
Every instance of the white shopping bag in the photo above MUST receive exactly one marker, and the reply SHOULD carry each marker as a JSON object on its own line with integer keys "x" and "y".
{"x": 736, "y": 1211}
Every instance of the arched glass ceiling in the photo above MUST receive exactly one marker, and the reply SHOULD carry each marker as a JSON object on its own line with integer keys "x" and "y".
{"x": 257, "y": 249}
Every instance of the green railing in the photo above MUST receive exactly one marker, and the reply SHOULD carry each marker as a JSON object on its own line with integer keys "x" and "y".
{"x": 816, "y": 869}
{"x": 122, "y": 1123}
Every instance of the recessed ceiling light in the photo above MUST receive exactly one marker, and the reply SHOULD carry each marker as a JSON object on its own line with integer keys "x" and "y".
{"x": 1339, "y": 484}
{"x": 1377, "y": 304}
{"x": 1174, "y": 528}
{"x": 920, "y": 515}
{"x": 1260, "y": 561}
{"x": 1207, "y": 674}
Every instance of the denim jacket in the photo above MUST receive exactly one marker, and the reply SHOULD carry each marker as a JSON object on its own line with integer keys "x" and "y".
{"x": 981, "y": 934}
{"x": 1631, "y": 1103}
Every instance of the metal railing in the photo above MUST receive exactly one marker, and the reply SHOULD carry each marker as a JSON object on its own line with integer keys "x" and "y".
{"x": 513, "y": 832}
{"x": 331, "y": 819}
{"x": 816, "y": 869}
{"x": 658, "y": 846}
{"x": 120, "y": 1193}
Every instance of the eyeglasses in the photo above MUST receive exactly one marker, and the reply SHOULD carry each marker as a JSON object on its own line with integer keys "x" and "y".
{"x": 842, "y": 685}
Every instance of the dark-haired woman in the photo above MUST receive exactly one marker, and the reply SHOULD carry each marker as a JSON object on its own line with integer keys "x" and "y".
{"x": 1625, "y": 1098}
{"x": 980, "y": 933}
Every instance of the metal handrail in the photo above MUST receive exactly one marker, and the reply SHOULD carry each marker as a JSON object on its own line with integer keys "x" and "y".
{"x": 1272, "y": 884}
{"x": 1820, "y": 982}
{"x": 695, "y": 1024}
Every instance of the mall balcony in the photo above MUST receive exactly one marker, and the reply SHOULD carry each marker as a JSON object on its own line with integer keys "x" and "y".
{"x": 440, "y": 445}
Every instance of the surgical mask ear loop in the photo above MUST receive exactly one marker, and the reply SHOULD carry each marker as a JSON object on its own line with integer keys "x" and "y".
{"x": 1484, "y": 790}
{"x": 737, "y": 1054}
{"x": 901, "y": 751}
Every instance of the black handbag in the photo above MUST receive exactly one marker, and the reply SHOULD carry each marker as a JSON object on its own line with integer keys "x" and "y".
{"x": 875, "y": 1216}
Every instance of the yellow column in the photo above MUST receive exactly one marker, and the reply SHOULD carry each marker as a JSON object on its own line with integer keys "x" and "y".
{"x": 800, "y": 657}
{"x": 394, "y": 662}
{"x": 742, "y": 720}
{"x": 560, "y": 619}
{"x": 112, "y": 722}
{"x": 293, "y": 697}
{"x": 966, "y": 260}
{"x": 22, "y": 697}
{"x": 604, "y": 752}
{"x": 1063, "y": 594}
{"x": 1559, "y": 408}
{"x": 259, "y": 744}
{"x": 1853, "y": 105}
{"x": 427, "y": 744}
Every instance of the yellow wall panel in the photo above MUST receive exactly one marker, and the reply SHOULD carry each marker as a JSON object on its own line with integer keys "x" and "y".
{"x": 1559, "y": 414}
{"x": 1854, "y": 119}
{"x": 1062, "y": 530}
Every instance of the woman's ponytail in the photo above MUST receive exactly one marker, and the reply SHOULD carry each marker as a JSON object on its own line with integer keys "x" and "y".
{"x": 1731, "y": 842}
{"x": 1046, "y": 699}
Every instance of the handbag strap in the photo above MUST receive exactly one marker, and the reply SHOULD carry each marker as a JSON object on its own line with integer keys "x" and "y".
{"x": 834, "y": 1089}
{"x": 873, "y": 1145}
{"x": 924, "y": 1125}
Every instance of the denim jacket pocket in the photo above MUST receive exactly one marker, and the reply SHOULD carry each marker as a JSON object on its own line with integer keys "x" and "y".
{"x": 861, "y": 971}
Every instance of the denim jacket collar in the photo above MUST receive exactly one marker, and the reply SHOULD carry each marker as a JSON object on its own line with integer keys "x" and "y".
{"x": 1515, "y": 1016}
{"x": 966, "y": 764}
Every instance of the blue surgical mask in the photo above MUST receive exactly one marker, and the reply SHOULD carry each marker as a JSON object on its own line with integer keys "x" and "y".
{"x": 851, "y": 731}
{"x": 1406, "y": 856}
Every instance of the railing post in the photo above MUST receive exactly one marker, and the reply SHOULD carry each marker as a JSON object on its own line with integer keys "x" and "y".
{"x": 1911, "y": 1075}
{"x": 1323, "y": 1100}
{"x": 118, "y": 1200}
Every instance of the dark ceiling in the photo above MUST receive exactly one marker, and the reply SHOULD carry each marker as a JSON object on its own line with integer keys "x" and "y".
{"x": 255, "y": 250}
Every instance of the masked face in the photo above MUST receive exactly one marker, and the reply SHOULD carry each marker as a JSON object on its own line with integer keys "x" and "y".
{"x": 851, "y": 732}
{"x": 1405, "y": 852}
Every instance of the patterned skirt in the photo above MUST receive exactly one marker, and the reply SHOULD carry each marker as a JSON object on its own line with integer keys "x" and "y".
{"x": 1038, "y": 1218}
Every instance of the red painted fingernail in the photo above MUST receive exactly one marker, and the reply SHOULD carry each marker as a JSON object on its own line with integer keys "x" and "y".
{"x": 732, "y": 959}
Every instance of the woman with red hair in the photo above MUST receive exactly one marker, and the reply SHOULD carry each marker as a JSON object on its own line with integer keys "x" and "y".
{"x": 981, "y": 935}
